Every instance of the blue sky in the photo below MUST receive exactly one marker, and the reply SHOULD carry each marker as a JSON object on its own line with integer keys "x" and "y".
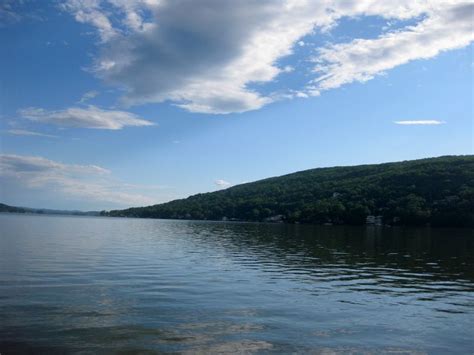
{"x": 112, "y": 103}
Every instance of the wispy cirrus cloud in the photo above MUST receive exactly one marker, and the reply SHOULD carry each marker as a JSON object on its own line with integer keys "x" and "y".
{"x": 23, "y": 132}
{"x": 14, "y": 11}
{"x": 8, "y": 13}
{"x": 89, "y": 95}
{"x": 419, "y": 122}
{"x": 70, "y": 181}
{"x": 90, "y": 117}
{"x": 207, "y": 56}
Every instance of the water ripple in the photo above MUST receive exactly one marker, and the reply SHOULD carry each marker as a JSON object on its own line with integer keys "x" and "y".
{"x": 73, "y": 284}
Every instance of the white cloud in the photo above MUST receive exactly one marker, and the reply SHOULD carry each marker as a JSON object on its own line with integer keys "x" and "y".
{"x": 90, "y": 117}
{"x": 206, "y": 56}
{"x": 23, "y": 132}
{"x": 89, "y": 11}
{"x": 21, "y": 165}
{"x": 222, "y": 183}
{"x": 419, "y": 122}
{"x": 70, "y": 181}
{"x": 447, "y": 27}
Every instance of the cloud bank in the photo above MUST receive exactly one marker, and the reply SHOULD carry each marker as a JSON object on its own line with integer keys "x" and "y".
{"x": 70, "y": 181}
{"x": 90, "y": 117}
{"x": 210, "y": 56}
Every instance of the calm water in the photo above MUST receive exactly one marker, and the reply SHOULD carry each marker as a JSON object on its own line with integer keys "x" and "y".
{"x": 101, "y": 285}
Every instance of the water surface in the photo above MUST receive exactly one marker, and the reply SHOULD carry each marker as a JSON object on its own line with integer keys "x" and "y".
{"x": 101, "y": 285}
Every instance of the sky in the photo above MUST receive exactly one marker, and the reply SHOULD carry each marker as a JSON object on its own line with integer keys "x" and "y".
{"x": 107, "y": 104}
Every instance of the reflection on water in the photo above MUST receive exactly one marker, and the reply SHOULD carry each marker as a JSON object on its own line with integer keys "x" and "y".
{"x": 71, "y": 284}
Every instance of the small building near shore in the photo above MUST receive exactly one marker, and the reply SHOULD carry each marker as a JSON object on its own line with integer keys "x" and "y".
{"x": 275, "y": 219}
{"x": 374, "y": 220}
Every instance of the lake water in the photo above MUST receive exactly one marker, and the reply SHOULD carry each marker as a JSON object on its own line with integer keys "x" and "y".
{"x": 101, "y": 285}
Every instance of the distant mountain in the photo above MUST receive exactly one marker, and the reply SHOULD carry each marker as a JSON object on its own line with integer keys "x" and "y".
{"x": 436, "y": 191}
{"x": 12, "y": 209}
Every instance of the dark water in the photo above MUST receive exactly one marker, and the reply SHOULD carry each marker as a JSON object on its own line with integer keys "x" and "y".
{"x": 103, "y": 285}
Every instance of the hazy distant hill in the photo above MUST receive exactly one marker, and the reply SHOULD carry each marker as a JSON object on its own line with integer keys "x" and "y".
{"x": 439, "y": 191}
{"x": 12, "y": 209}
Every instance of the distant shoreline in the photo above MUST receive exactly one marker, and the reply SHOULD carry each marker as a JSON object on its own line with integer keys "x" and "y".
{"x": 20, "y": 210}
{"x": 236, "y": 222}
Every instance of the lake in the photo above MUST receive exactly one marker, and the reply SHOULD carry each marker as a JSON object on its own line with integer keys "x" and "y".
{"x": 101, "y": 285}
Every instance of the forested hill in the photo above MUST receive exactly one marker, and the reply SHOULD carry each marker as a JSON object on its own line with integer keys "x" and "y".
{"x": 438, "y": 191}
